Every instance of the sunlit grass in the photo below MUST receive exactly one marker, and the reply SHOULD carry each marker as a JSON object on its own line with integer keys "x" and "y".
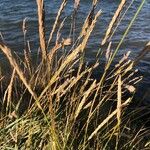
{"x": 57, "y": 104}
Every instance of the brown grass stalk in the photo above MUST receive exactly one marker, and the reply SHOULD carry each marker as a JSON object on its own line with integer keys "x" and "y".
{"x": 119, "y": 95}
{"x": 56, "y": 21}
{"x": 86, "y": 95}
{"x": 41, "y": 20}
{"x": 10, "y": 87}
{"x": 112, "y": 22}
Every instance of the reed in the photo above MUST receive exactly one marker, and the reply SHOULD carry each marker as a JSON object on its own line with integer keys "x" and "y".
{"x": 58, "y": 104}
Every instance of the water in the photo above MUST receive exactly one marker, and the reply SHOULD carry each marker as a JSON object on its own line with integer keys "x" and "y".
{"x": 13, "y": 12}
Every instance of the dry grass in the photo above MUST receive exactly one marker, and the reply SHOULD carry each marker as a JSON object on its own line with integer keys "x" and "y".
{"x": 41, "y": 19}
{"x": 112, "y": 22}
{"x": 56, "y": 20}
{"x": 57, "y": 104}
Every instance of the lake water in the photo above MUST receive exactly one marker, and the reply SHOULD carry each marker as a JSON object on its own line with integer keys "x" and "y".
{"x": 12, "y": 13}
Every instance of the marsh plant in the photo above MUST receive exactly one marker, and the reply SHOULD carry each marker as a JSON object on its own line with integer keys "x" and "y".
{"x": 56, "y": 102}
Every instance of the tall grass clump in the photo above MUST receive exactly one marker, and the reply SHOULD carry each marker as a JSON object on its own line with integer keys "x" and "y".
{"x": 57, "y": 103}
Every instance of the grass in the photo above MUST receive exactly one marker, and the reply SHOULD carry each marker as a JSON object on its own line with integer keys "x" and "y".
{"x": 58, "y": 104}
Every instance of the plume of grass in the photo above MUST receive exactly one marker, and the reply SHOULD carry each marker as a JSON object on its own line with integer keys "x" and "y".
{"x": 41, "y": 19}
{"x": 114, "y": 19}
{"x": 56, "y": 20}
{"x": 8, "y": 92}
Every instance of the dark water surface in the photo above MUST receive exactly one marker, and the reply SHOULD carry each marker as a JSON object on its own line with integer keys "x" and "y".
{"x": 12, "y": 13}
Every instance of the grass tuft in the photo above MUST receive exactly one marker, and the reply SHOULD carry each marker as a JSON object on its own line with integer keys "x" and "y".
{"x": 58, "y": 103}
